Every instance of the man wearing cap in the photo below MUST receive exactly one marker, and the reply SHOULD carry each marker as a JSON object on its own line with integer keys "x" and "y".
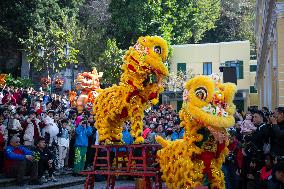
{"x": 19, "y": 160}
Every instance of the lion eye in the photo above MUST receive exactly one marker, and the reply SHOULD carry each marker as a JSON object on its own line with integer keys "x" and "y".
{"x": 201, "y": 93}
{"x": 157, "y": 49}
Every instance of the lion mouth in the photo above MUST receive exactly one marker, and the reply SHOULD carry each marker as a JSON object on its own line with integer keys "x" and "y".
{"x": 152, "y": 79}
{"x": 215, "y": 110}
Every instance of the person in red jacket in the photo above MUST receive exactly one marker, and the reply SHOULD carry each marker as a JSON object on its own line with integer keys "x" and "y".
{"x": 9, "y": 99}
{"x": 266, "y": 171}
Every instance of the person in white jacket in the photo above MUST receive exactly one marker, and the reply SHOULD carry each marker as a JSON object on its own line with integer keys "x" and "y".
{"x": 29, "y": 135}
{"x": 50, "y": 134}
{"x": 63, "y": 143}
{"x": 51, "y": 129}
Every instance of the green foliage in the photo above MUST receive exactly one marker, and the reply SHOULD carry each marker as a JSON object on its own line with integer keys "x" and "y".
{"x": 18, "y": 82}
{"x": 93, "y": 22}
{"x": 20, "y": 16}
{"x": 236, "y": 22}
{"x": 53, "y": 41}
{"x": 110, "y": 63}
{"x": 178, "y": 21}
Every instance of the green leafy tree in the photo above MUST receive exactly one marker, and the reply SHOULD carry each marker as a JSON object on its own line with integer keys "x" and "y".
{"x": 18, "y": 82}
{"x": 110, "y": 62}
{"x": 236, "y": 22}
{"x": 20, "y": 16}
{"x": 178, "y": 21}
{"x": 94, "y": 20}
{"x": 52, "y": 41}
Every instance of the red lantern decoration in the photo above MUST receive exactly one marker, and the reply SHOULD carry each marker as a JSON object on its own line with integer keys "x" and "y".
{"x": 45, "y": 82}
{"x": 58, "y": 83}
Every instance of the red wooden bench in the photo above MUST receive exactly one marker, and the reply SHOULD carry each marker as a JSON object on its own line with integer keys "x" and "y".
{"x": 141, "y": 162}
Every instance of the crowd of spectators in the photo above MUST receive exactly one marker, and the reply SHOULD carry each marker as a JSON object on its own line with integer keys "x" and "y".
{"x": 256, "y": 150}
{"x": 44, "y": 136}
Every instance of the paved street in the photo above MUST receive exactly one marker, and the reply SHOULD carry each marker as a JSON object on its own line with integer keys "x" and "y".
{"x": 101, "y": 185}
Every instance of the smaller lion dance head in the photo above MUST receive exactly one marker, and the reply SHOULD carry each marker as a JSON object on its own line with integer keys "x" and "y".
{"x": 88, "y": 80}
{"x": 87, "y": 83}
{"x": 209, "y": 101}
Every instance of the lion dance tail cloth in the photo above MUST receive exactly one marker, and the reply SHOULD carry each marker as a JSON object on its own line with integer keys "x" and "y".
{"x": 196, "y": 160}
{"x": 140, "y": 85}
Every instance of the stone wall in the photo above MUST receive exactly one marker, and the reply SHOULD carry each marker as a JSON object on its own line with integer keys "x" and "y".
{"x": 10, "y": 61}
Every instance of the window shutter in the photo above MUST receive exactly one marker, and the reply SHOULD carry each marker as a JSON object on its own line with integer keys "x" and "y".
{"x": 252, "y": 89}
{"x": 252, "y": 68}
{"x": 181, "y": 67}
{"x": 204, "y": 68}
{"x": 209, "y": 68}
{"x": 241, "y": 72}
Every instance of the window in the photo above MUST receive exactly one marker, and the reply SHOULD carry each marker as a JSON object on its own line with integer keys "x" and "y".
{"x": 179, "y": 105}
{"x": 239, "y": 67}
{"x": 252, "y": 89}
{"x": 207, "y": 68}
{"x": 252, "y": 68}
{"x": 181, "y": 67}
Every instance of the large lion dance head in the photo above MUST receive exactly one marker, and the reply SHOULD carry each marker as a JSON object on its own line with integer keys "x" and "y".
{"x": 145, "y": 62}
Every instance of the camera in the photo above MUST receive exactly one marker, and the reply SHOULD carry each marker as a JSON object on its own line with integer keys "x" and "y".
{"x": 231, "y": 157}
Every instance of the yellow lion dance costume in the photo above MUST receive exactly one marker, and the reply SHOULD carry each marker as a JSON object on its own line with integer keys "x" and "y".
{"x": 88, "y": 83}
{"x": 196, "y": 160}
{"x": 133, "y": 95}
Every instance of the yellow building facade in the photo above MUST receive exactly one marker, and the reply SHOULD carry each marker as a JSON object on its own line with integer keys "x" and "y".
{"x": 209, "y": 57}
{"x": 269, "y": 33}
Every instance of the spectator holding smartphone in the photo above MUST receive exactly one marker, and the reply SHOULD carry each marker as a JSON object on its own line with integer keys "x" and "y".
{"x": 277, "y": 138}
{"x": 81, "y": 144}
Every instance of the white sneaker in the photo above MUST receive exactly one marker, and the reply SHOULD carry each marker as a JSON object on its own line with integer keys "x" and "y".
{"x": 53, "y": 179}
{"x": 43, "y": 179}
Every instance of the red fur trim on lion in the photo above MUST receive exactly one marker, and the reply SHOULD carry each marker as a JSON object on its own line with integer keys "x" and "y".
{"x": 124, "y": 113}
{"x": 152, "y": 96}
{"x": 207, "y": 157}
{"x": 220, "y": 148}
{"x": 131, "y": 57}
{"x": 131, "y": 67}
{"x": 135, "y": 93}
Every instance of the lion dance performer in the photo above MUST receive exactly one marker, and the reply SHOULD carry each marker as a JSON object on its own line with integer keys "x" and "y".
{"x": 87, "y": 83}
{"x": 138, "y": 88}
{"x": 196, "y": 160}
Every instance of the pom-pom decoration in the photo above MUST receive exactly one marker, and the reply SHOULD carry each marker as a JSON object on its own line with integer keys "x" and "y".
{"x": 72, "y": 98}
{"x": 140, "y": 85}
{"x": 3, "y": 79}
{"x": 196, "y": 160}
